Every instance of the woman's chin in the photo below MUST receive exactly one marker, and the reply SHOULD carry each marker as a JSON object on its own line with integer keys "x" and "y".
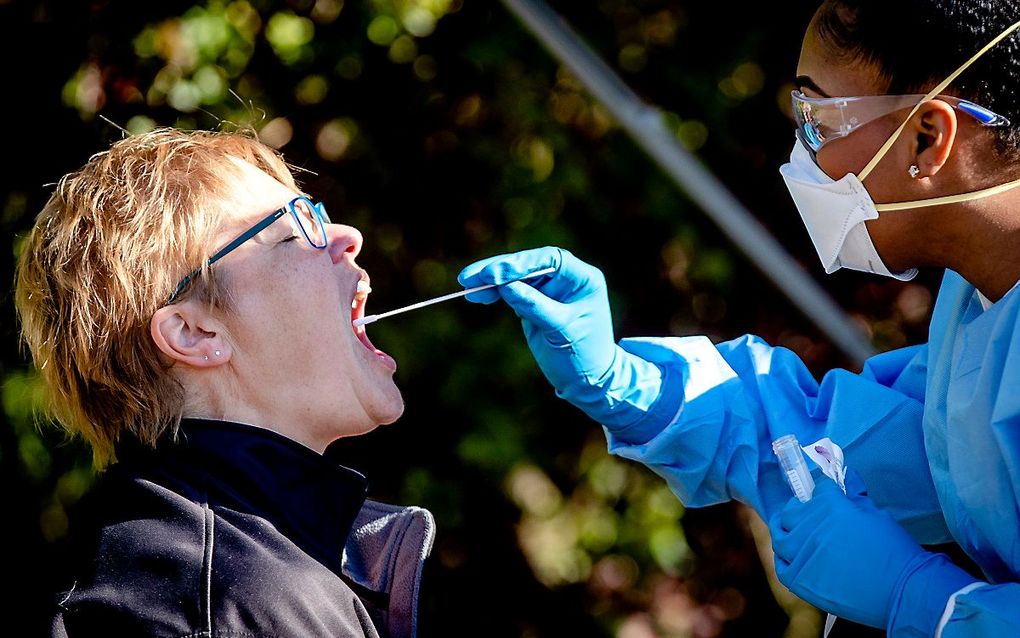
{"x": 392, "y": 410}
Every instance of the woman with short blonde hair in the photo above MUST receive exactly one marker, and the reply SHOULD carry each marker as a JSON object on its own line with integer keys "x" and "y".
{"x": 190, "y": 311}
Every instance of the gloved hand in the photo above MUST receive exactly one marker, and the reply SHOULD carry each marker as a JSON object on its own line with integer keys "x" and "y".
{"x": 569, "y": 329}
{"x": 844, "y": 555}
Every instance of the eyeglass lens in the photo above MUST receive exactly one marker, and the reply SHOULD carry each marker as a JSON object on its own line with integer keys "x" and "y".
{"x": 310, "y": 223}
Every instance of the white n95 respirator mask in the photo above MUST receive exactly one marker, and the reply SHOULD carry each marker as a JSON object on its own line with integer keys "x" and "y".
{"x": 834, "y": 213}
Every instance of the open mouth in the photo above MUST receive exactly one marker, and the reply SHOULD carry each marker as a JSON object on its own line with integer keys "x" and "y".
{"x": 357, "y": 312}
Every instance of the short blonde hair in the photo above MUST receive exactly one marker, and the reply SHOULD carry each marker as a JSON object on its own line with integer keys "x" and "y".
{"x": 105, "y": 253}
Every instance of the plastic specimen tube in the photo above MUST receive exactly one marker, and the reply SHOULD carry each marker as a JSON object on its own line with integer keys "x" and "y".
{"x": 791, "y": 460}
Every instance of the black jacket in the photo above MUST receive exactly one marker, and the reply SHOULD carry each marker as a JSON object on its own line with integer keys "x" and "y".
{"x": 237, "y": 531}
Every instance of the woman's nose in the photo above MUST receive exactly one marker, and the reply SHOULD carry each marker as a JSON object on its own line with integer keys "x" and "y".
{"x": 343, "y": 240}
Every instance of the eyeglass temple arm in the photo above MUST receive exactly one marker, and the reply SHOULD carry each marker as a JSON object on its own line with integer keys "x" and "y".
{"x": 222, "y": 252}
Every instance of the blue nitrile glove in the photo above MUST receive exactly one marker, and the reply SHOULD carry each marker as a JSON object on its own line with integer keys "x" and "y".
{"x": 844, "y": 555}
{"x": 569, "y": 329}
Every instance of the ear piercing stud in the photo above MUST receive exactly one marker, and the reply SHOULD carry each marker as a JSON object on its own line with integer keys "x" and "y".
{"x": 217, "y": 353}
{"x": 914, "y": 171}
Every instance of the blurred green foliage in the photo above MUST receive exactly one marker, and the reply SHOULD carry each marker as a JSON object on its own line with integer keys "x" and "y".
{"x": 443, "y": 131}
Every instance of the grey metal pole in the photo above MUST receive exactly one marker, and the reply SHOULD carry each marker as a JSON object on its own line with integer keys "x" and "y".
{"x": 645, "y": 125}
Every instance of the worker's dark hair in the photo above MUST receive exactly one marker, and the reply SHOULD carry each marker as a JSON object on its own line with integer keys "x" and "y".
{"x": 914, "y": 44}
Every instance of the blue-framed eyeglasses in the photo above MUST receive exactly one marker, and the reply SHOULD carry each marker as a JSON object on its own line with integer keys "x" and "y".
{"x": 310, "y": 218}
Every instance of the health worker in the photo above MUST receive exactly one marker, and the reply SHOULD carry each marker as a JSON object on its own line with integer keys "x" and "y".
{"x": 907, "y": 155}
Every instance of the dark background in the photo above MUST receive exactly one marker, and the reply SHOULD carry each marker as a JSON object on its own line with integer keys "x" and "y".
{"x": 444, "y": 132}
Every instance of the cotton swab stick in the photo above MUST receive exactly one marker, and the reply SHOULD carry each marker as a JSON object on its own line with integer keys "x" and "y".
{"x": 373, "y": 318}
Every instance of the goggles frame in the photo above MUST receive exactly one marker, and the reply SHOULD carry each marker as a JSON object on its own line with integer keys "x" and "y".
{"x": 821, "y": 120}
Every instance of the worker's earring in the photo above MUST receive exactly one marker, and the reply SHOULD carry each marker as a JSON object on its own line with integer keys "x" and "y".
{"x": 206, "y": 357}
{"x": 914, "y": 171}
{"x": 217, "y": 353}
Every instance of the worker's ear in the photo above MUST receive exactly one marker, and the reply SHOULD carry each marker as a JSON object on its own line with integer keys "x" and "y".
{"x": 934, "y": 129}
{"x": 186, "y": 333}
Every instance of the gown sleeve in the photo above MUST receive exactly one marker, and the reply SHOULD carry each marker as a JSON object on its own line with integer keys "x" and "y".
{"x": 741, "y": 395}
{"x": 982, "y": 612}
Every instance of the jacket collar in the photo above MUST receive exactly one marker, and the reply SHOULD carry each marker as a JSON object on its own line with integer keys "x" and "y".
{"x": 254, "y": 470}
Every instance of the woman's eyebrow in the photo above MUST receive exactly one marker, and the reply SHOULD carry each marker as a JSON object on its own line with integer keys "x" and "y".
{"x": 805, "y": 82}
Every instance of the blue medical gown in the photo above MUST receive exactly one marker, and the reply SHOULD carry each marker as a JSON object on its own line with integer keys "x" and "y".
{"x": 934, "y": 430}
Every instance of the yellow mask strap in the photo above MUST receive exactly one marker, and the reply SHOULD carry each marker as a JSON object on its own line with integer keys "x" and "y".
{"x": 948, "y": 199}
{"x": 938, "y": 89}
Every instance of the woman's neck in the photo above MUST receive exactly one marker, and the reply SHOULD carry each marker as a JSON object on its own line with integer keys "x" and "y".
{"x": 983, "y": 245}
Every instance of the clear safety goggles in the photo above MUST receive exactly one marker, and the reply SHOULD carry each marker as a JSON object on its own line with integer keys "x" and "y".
{"x": 821, "y": 120}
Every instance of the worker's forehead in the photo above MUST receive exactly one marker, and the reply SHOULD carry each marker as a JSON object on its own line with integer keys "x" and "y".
{"x": 822, "y": 71}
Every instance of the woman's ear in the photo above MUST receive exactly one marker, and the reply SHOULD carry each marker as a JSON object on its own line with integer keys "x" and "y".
{"x": 186, "y": 333}
{"x": 934, "y": 125}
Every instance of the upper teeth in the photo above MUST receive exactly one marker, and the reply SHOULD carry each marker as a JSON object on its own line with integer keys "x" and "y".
{"x": 363, "y": 289}
{"x": 362, "y": 292}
